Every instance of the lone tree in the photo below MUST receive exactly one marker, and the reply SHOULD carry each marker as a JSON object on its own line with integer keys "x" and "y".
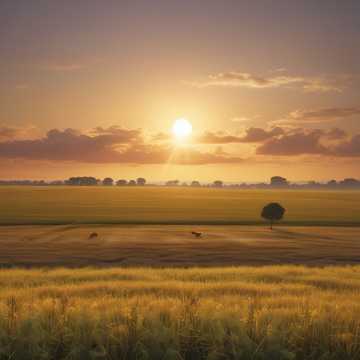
{"x": 273, "y": 212}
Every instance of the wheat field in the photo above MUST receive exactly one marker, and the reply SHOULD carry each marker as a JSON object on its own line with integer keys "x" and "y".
{"x": 274, "y": 312}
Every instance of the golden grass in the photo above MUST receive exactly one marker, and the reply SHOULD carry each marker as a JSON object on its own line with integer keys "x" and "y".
{"x": 161, "y": 205}
{"x": 275, "y": 312}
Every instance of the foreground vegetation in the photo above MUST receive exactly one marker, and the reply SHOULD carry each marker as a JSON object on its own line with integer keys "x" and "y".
{"x": 159, "y": 205}
{"x": 278, "y": 312}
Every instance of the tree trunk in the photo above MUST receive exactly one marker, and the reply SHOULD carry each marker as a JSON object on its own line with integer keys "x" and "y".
{"x": 271, "y": 224}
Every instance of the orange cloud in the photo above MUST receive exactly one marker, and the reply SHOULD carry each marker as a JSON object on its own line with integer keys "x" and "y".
{"x": 297, "y": 143}
{"x": 318, "y": 116}
{"x": 116, "y": 145}
{"x": 247, "y": 80}
{"x": 252, "y": 135}
{"x": 110, "y": 145}
{"x": 11, "y": 133}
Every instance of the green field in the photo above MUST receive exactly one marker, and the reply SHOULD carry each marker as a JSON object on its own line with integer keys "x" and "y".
{"x": 160, "y": 205}
{"x": 266, "y": 313}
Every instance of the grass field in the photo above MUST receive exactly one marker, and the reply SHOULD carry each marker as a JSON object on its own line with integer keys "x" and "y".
{"x": 279, "y": 312}
{"x": 160, "y": 205}
{"x": 173, "y": 245}
{"x": 176, "y": 297}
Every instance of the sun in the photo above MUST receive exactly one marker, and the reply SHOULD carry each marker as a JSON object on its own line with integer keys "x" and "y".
{"x": 182, "y": 128}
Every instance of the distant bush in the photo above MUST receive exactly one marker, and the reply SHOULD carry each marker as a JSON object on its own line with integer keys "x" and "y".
{"x": 218, "y": 184}
{"x": 140, "y": 181}
{"x": 121, "y": 182}
{"x": 108, "y": 181}
{"x": 195, "y": 183}
{"x": 82, "y": 181}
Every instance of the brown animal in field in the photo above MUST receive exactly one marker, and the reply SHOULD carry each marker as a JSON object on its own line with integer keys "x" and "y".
{"x": 93, "y": 235}
{"x": 196, "y": 234}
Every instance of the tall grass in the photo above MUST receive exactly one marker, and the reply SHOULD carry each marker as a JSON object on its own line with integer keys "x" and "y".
{"x": 278, "y": 312}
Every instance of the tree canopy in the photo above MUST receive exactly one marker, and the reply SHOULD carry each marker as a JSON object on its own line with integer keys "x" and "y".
{"x": 273, "y": 212}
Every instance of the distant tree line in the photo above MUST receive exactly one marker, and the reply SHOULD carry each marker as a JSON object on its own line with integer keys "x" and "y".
{"x": 108, "y": 181}
{"x": 277, "y": 182}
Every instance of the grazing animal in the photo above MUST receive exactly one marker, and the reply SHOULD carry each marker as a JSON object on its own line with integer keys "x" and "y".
{"x": 93, "y": 235}
{"x": 196, "y": 234}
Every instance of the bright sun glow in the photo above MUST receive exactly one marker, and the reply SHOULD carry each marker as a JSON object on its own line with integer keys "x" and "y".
{"x": 182, "y": 128}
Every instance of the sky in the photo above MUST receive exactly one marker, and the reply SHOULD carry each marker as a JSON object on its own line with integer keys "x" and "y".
{"x": 94, "y": 87}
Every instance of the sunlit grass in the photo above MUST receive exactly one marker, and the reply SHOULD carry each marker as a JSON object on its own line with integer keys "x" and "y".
{"x": 278, "y": 312}
{"x": 161, "y": 205}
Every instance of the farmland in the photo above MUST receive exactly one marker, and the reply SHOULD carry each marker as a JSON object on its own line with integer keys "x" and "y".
{"x": 174, "y": 245}
{"x": 277, "y": 312}
{"x": 145, "y": 288}
{"x": 160, "y": 205}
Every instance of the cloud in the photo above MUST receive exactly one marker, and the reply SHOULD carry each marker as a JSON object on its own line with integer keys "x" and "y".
{"x": 301, "y": 117}
{"x": 68, "y": 145}
{"x": 116, "y": 134}
{"x": 241, "y": 79}
{"x": 349, "y": 148}
{"x": 322, "y": 85}
{"x": 247, "y": 80}
{"x": 252, "y": 135}
{"x": 336, "y": 134}
{"x": 191, "y": 156}
{"x": 297, "y": 143}
{"x": 106, "y": 145}
{"x": 10, "y": 133}
{"x": 116, "y": 145}
{"x": 217, "y": 138}
{"x": 326, "y": 114}
{"x": 335, "y": 83}
{"x": 334, "y": 142}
